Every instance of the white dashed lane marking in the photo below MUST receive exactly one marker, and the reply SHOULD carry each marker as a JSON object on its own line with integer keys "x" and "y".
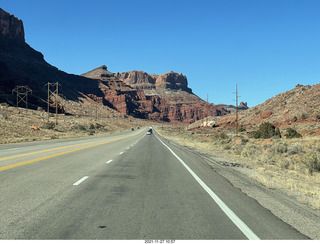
{"x": 81, "y": 180}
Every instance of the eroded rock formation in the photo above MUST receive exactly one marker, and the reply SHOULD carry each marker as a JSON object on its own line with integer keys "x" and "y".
{"x": 10, "y": 26}
{"x": 165, "y": 97}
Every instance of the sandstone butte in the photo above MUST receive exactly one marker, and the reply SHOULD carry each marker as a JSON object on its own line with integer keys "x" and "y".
{"x": 165, "y": 97}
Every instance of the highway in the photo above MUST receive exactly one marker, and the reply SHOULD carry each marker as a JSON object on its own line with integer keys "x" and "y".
{"x": 130, "y": 186}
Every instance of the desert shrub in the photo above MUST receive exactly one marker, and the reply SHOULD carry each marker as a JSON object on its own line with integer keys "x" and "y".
{"x": 244, "y": 141}
{"x": 304, "y": 116}
{"x": 79, "y": 127}
{"x": 227, "y": 147}
{"x": 292, "y": 133}
{"x": 237, "y": 149}
{"x": 98, "y": 126}
{"x": 250, "y": 151}
{"x": 255, "y": 134}
{"x": 4, "y": 115}
{"x": 221, "y": 135}
{"x": 266, "y": 130}
{"x": 279, "y": 148}
{"x": 91, "y": 127}
{"x": 312, "y": 162}
{"x": 285, "y": 164}
{"x": 295, "y": 149}
{"x": 277, "y": 133}
{"x": 48, "y": 125}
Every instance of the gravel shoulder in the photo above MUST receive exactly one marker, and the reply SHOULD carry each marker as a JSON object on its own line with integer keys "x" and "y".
{"x": 301, "y": 217}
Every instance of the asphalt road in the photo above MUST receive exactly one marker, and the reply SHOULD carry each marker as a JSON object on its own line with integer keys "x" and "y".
{"x": 129, "y": 186}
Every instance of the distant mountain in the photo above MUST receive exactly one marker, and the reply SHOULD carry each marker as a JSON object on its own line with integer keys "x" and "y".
{"x": 231, "y": 108}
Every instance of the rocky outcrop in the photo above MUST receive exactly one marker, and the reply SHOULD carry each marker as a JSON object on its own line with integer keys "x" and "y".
{"x": 167, "y": 85}
{"x": 98, "y": 73}
{"x": 10, "y": 26}
{"x": 173, "y": 81}
{"x": 232, "y": 109}
{"x": 158, "y": 97}
{"x": 137, "y": 79}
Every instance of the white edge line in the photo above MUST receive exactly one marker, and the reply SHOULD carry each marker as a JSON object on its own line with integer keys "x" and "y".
{"x": 81, "y": 180}
{"x": 232, "y": 216}
{"x": 121, "y": 153}
{"x": 109, "y": 161}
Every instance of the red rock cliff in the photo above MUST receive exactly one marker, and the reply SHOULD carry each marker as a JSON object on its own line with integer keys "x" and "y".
{"x": 10, "y": 26}
{"x": 158, "y": 97}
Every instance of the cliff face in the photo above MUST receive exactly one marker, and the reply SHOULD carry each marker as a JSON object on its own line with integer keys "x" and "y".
{"x": 163, "y": 85}
{"x": 10, "y": 26}
{"x": 22, "y": 65}
{"x": 163, "y": 97}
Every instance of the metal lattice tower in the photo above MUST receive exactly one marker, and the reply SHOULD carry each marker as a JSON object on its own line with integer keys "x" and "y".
{"x": 22, "y": 94}
{"x": 53, "y": 89}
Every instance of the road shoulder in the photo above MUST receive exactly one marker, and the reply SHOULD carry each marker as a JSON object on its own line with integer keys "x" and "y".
{"x": 289, "y": 210}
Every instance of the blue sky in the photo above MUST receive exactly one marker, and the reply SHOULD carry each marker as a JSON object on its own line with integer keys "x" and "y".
{"x": 265, "y": 46}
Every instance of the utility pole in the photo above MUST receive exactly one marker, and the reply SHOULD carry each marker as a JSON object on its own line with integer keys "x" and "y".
{"x": 96, "y": 111}
{"x": 56, "y": 101}
{"x": 55, "y": 93}
{"x": 48, "y": 102}
{"x": 207, "y": 110}
{"x": 22, "y": 94}
{"x": 237, "y": 119}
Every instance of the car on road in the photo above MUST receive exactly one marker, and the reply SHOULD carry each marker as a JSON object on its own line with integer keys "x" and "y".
{"x": 149, "y": 132}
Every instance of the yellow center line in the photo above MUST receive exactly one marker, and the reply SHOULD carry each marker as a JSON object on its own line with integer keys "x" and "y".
{"x": 50, "y": 150}
{"x": 47, "y": 150}
{"x": 62, "y": 153}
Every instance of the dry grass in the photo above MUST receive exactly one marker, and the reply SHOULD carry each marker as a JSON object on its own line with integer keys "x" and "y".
{"x": 23, "y": 125}
{"x": 292, "y": 165}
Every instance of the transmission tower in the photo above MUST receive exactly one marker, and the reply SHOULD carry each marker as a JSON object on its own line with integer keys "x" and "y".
{"x": 53, "y": 90}
{"x": 22, "y": 94}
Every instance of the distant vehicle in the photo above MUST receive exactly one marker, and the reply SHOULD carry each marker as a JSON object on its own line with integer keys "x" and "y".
{"x": 149, "y": 132}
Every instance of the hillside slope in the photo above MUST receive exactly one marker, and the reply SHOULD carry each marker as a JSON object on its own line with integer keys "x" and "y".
{"x": 298, "y": 108}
